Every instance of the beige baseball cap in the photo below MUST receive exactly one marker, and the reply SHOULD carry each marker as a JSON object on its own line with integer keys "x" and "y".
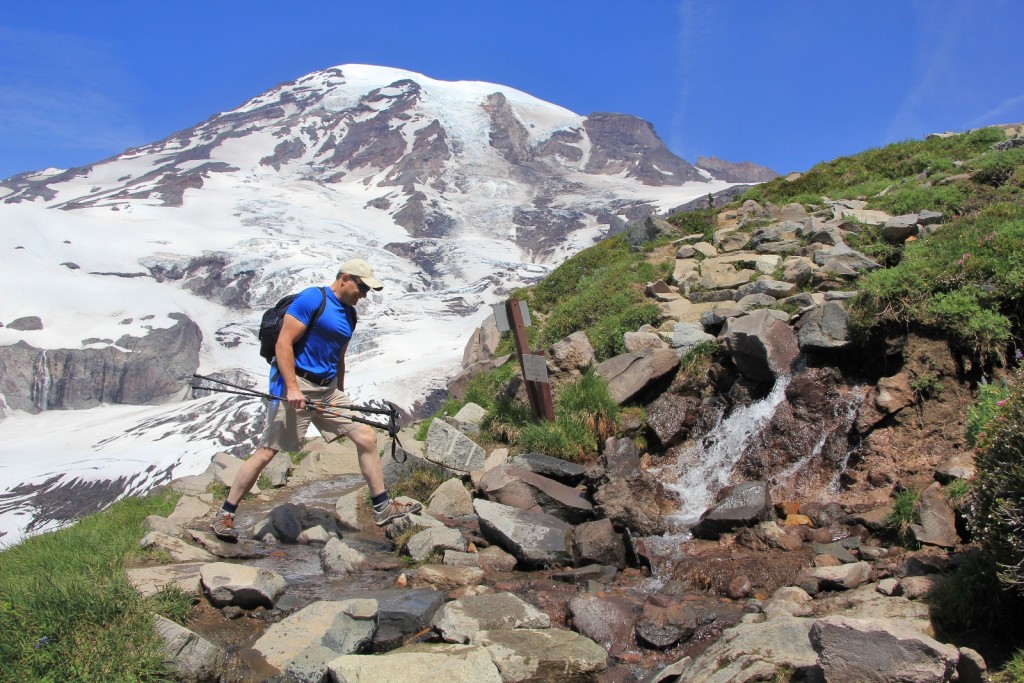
{"x": 362, "y": 270}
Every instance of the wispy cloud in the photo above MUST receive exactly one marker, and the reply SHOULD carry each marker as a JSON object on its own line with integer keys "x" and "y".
{"x": 696, "y": 19}
{"x": 1011, "y": 108}
{"x": 61, "y": 91}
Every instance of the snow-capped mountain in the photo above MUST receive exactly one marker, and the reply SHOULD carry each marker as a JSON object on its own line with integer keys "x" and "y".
{"x": 125, "y": 276}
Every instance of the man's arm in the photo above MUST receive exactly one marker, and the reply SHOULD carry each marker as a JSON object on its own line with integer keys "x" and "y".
{"x": 291, "y": 331}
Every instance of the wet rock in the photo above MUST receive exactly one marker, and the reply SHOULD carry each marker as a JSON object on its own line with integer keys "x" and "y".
{"x": 544, "y": 655}
{"x": 338, "y": 558}
{"x": 535, "y": 539}
{"x": 445, "y": 578}
{"x": 670, "y": 417}
{"x": 598, "y": 543}
{"x": 459, "y": 621}
{"x": 450, "y": 448}
{"x": 632, "y": 502}
{"x": 402, "y": 613}
{"x": 568, "y": 473}
{"x": 451, "y": 499}
{"x": 345, "y": 624}
{"x": 657, "y": 637}
{"x": 309, "y": 665}
{"x": 739, "y": 587}
{"x": 420, "y": 662}
{"x": 760, "y": 345}
{"x": 746, "y": 504}
{"x": 241, "y": 585}
{"x": 599, "y": 573}
{"x": 938, "y": 522}
{"x": 189, "y": 657}
{"x": 867, "y": 649}
{"x": 529, "y": 491}
{"x": 317, "y": 536}
{"x": 606, "y": 621}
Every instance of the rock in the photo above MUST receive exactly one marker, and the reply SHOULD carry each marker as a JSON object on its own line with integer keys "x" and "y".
{"x": 938, "y": 522}
{"x": 458, "y": 558}
{"x": 755, "y": 301}
{"x": 543, "y": 655}
{"x": 188, "y": 509}
{"x": 469, "y": 417}
{"x": 450, "y": 448}
{"x": 960, "y": 466}
{"x": 419, "y": 663}
{"x": 162, "y": 525}
{"x": 631, "y": 501}
{"x": 450, "y": 499}
{"x": 317, "y": 535}
{"x": 598, "y": 543}
{"x": 639, "y": 342}
{"x": 766, "y": 285}
{"x": 346, "y": 624}
{"x": 401, "y": 613}
{"x": 285, "y": 523}
{"x": 149, "y": 581}
{"x": 657, "y": 637}
{"x": 243, "y": 549}
{"x": 434, "y": 540}
{"x": 460, "y": 620}
{"x": 278, "y": 469}
{"x": 227, "y": 468}
{"x": 482, "y": 343}
{"x": 572, "y": 355}
{"x": 718, "y": 275}
{"x": 188, "y": 656}
{"x": 894, "y": 393}
{"x": 346, "y": 510}
{"x": 760, "y": 345}
{"x": 647, "y": 229}
{"x": 338, "y": 558}
{"x": 494, "y": 559}
{"x": 918, "y": 587}
{"x": 842, "y": 260}
{"x": 241, "y": 585}
{"x": 529, "y": 491}
{"x": 789, "y": 601}
{"x": 587, "y": 574}
{"x": 28, "y": 323}
{"x": 843, "y": 577}
{"x": 898, "y": 228}
{"x": 826, "y": 328}
{"x": 778, "y": 649}
{"x": 686, "y": 336}
{"x": 179, "y": 550}
{"x": 535, "y": 539}
{"x": 868, "y": 649}
{"x": 309, "y": 665}
{"x": 568, "y": 473}
{"x": 971, "y": 667}
{"x": 445, "y": 578}
{"x": 631, "y": 374}
{"x": 606, "y": 621}
{"x": 745, "y": 504}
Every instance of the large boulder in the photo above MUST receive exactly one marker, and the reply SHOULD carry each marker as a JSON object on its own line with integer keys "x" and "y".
{"x": 670, "y": 417}
{"x": 568, "y": 473}
{"x": 417, "y": 663}
{"x": 459, "y": 621}
{"x": 535, "y": 539}
{"x": 344, "y": 626}
{"x": 826, "y": 328}
{"x": 632, "y": 374}
{"x": 190, "y": 657}
{"x": 762, "y": 346}
{"x": 938, "y": 521}
{"x": 527, "y": 490}
{"x": 607, "y": 621}
{"x": 549, "y": 655}
{"x": 241, "y": 585}
{"x": 450, "y": 448}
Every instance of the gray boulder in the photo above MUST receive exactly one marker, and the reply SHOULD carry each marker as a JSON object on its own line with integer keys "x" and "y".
{"x": 190, "y": 657}
{"x": 336, "y": 557}
{"x": 686, "y": 336}
{"x": 606, "y": 621}
{"x": 526, "y": 490}
{"x": 343, "y": 626}
{"x": 535, "y": 539}
{"x": 597, "y": 542}
{"x": 938, "y": 521}
{"x": 550, "y": 655}
{"x": 459, "y": 621}
{"x": 630, "y": 374}
{"x": 241, "y": 585}
{"x": 450, "y": 448}
{"x": 826, "y": 328}
{"x": 418, "y": 663}
{"x": 450, "y": 499}
{"x": 761, "y": 345}
{"x": 568, "y": 473}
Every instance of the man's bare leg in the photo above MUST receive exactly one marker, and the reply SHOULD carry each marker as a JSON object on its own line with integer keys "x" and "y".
{"x": 249, "y": 472}
{"x": 365, "y": 439}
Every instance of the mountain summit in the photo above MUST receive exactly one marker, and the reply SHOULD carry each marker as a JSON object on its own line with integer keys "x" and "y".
{"x": 144, "y": 267}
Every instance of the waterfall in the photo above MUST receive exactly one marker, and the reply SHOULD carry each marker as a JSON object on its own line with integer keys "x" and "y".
{"x": 41, "y": 381}
{"x": 706, "y": 465}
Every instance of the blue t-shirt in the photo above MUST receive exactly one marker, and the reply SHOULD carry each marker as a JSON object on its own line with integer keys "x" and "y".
{"x": 326, "y": 341}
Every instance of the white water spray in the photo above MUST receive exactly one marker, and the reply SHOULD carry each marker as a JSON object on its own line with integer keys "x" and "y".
{"x": 706, "y": 465}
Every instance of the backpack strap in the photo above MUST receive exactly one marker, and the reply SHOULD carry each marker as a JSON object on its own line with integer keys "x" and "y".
{"x": 312, "y": 321}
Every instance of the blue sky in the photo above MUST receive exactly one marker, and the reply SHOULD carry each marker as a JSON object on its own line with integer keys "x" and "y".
{"x": 784, "y": 83}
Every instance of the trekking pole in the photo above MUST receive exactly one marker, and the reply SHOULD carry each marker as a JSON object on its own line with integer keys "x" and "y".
{"x": 323, "y": 407}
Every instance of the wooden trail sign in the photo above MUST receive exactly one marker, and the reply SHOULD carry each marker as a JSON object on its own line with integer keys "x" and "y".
{"x": 535, "y": 370}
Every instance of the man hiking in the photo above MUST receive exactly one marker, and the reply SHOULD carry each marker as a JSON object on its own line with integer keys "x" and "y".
{"x": 311, "y": 367}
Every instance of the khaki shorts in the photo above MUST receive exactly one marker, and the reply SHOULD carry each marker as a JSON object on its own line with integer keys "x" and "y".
{"x": 286, "y": 427}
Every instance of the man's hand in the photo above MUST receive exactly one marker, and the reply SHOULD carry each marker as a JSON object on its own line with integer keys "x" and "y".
{"x": 296, "y": 399}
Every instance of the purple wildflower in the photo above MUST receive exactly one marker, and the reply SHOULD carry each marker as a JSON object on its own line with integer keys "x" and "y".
{"x": 1019, "y": 355}
{"x": 43, "y": 642}
{"x": 1001, "y": 403}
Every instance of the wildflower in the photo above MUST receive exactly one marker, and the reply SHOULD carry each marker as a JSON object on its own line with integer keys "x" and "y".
{"x": 1019, "y": 355}
{"x": 42, "y": 642}
{"x": 963, "y": 259}
{"x": 1001, "y": 403}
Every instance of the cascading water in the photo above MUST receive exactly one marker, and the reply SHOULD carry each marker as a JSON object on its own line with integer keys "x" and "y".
{"x": 41, "y": 382}
{"x": 706, "y": 465}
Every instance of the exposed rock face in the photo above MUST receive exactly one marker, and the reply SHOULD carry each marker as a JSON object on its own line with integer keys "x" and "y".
{"x": 155, "y": 370}
{"x": 627, "y": 144}
{"x": 736, "y": 172}
{"x": 761, "y": 345}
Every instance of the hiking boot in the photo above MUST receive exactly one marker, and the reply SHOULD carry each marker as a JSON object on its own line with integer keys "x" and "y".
{"x": 394, "y": 510}
{"x": 223, "y": 527}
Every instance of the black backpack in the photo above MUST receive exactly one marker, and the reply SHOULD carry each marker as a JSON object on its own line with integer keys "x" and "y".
{"x": 273, "y": 319}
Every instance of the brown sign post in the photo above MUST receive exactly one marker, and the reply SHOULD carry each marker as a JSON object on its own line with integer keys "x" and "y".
{"x": 539, "y": 392}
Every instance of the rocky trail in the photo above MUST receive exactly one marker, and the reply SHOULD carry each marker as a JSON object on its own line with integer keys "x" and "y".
{"x": 750, "y": 542}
